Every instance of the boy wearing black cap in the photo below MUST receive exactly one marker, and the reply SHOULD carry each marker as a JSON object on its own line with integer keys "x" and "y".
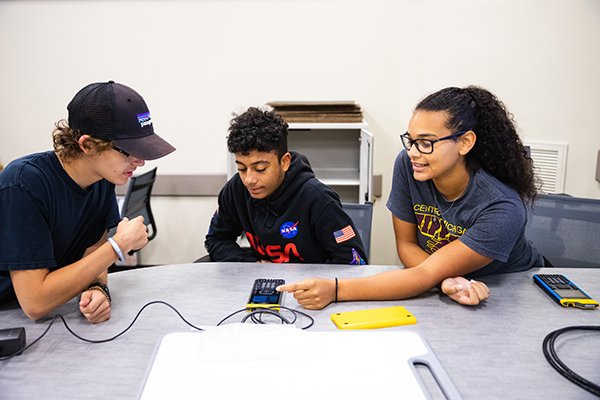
{"x": 286, "y": 213}
{"x": 57, "y": 206}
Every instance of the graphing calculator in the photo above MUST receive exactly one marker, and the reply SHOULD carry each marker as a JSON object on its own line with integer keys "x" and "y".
{"x": 264, "y": 295}
{"x": 564, "y": 292}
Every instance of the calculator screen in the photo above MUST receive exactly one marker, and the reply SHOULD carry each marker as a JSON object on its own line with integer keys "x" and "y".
{"x": 570, "y": 294}
{"x": 272, "y": 299}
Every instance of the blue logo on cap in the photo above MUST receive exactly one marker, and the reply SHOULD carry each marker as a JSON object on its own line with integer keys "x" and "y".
{"x": 289, "y": 229}
{"x": 144, "y": 119}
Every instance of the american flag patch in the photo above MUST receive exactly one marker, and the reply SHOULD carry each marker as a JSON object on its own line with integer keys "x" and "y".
{"x": 344, "y": 234}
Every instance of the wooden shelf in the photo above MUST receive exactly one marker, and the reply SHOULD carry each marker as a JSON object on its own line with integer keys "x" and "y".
{"x": 319, "y": 125}
{"x": 338, "y": 176}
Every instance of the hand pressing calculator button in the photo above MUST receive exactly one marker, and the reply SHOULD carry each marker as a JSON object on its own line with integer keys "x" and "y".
{"x": 264, "y": 295}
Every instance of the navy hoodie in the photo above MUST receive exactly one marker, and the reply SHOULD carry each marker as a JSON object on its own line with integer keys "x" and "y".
{"x": 301, "y": 222}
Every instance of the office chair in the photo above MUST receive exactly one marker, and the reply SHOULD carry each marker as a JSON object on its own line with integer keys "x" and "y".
{"x": 204, "y": 258}
{"x": 362, "y": 216}
{"x": 565, "y": 229}
{"x": 137, "y": 200}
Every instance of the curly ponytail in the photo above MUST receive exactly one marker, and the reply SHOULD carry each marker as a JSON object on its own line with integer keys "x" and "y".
{"x": 498, "y": 149}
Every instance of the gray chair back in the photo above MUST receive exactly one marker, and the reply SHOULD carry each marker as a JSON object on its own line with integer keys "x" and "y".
{"x": 362, "y": 216}
{"x": 566, "y": 230}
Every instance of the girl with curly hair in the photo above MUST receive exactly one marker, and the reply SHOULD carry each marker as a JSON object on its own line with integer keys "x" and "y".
{"x": 458, "y": 204}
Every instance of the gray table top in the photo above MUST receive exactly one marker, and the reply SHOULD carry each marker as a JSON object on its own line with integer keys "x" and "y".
{"x": 490, "y": 351}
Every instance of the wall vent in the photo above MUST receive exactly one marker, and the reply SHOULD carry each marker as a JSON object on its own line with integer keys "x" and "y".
{"x": 549, "y": 164}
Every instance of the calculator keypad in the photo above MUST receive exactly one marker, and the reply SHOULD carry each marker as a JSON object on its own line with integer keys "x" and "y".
{"x": 267, "y": 286}
{"x": 557, "y": 282}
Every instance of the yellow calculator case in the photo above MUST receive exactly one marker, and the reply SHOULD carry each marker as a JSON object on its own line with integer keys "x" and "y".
{"x": 584, "y": 304}
{"x": 373, "y": 318}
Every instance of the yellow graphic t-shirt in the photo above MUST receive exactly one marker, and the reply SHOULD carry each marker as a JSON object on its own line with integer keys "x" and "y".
{"x": 437, "y": 230}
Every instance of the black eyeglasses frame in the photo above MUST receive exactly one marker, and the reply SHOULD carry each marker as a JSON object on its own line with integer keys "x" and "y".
{"x": 126, "y": 154}
{"x": 408, "y": 143}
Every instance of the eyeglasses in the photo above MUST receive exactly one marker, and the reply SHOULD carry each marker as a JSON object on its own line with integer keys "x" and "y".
{"x": 128, "y": 157}
{"x": 425, "y": 146}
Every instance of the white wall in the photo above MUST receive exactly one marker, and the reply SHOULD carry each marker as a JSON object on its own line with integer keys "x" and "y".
{"x": 195, "y": 62}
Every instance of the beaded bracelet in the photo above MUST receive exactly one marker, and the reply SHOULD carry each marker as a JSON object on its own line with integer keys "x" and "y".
{"x": 102, "y": 288}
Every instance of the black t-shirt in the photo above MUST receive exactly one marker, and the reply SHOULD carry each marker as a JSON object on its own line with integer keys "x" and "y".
{"x": 46, "y": 219}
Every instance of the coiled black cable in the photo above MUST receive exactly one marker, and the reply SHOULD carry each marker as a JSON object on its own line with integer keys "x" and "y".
{"x": 561, "y": 367}
{"x": 256, "y": 315}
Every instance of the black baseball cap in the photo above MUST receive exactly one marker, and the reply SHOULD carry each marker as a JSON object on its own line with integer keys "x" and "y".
{"x": 115, "y": 112}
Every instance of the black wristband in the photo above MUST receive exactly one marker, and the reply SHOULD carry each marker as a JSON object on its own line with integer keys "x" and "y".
{"x": 336, "y": 290}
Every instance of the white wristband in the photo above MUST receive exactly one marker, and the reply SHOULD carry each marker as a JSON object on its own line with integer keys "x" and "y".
{"x": 117, "y": 249}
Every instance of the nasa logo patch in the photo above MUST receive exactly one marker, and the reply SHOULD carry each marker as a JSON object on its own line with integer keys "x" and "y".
{"x": 289, "y": 229}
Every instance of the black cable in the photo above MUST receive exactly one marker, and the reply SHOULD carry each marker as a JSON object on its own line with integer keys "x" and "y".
{"x": 16, "y": 353}
{"x": 561, "y": 367}
{"x": 103, "y": 340}
{"x": 255, "y": 316}
{"x": 131, "y": 324}
{"x": 262, "y": 311}
{"x": 312, "y": 321}
{"x": 230, "y": 315}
